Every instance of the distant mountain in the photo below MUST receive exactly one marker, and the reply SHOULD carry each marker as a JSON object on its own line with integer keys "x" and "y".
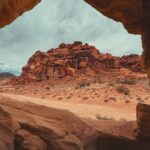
{"x": 7, "y": 68}
{"x": 4, "y": 75}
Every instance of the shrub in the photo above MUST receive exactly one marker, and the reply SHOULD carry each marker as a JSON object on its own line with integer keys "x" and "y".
{"x": 83, "y": 84}
{"x": 127, "y": 81}
{"x": 122, "y": 89}
{"x": 130, "y": 81}
{"x": 100, "y": 117}
{"x": 85, "y": 98}
{"x": 127, "y": 101}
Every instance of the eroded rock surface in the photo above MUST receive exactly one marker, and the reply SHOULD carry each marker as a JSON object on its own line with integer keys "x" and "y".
{"x": 133, "y": 62}
{"x": 44, "y": 128}
{"x": 28, "y": 126}
{"x": 73, "y": 59}
{"x": 11, "y": 9}
{"x": 128, "y": 12}
{"x": 143, "y": 115}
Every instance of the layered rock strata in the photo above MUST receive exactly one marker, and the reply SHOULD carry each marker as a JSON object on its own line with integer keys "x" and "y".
{"x": 34, "y": 127}
{"x": 71, "y": 59}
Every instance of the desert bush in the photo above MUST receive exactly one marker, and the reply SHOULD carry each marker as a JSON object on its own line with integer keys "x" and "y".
{"x": 122, "y": 89}
{"x": 83, "y": 84}
{"x": 85, "y": 98}
{"x": 111, "y": 83}
{"x": 100, "y": 117}
{"x": 127, "y": 81}
{"x": 60, "y": 98}
{"x": 106, "y": 100}
{"x": 98, "y": 80}
{"x": 139, "y": 98}
{"x": 127, "y": 101}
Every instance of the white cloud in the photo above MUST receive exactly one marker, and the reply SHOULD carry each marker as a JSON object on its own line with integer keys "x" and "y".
{"x": 56, "y": 21}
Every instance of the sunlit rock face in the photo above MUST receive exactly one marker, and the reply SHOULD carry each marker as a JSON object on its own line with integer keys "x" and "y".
{"x": 135, "y": 16}
{"x": 11, "y": 9}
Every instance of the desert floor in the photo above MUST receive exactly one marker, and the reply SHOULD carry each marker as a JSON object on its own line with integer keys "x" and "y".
{"x": 90, "y": 99}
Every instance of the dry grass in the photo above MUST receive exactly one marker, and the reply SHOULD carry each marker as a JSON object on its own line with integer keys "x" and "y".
{"x": 127, "y": 81}
{"x": 122, "y": 89}
{"x": 83, "y": 84}
{"x": 100, "y": 117}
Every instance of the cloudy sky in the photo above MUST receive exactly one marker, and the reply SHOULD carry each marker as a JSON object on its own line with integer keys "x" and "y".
{"x": 56, "y": 21}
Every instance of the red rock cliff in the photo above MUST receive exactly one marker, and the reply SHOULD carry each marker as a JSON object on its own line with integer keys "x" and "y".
{"x": 69, "y": 59}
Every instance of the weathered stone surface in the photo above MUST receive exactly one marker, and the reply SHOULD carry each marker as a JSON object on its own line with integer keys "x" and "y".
{"x": 59, "y": 129}
{"x": 8, "y": 128}
{"x": 133, "y": 62}
{"x": 143, "y": 121}
{"x": 72, "y": 59}
{"x": 11, "y": 9}
{"x": 128, "y": 12}
{"x": 43, "y": 128}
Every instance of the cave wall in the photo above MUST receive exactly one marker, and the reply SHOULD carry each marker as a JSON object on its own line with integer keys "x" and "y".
{"x": 11, "y": 9}
{"x": 128, "y": 12}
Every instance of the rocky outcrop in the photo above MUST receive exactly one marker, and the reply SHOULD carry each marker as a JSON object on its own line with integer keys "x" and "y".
{"x": 66, "y": 60}
{"x": 128, "y": 12}
{"x": 133, "y": 62}
{"x": 10, "y": 10}
{"x": 143, "y": 115}
{"x": 29, "y": 126}
{"x": 72, "y": 60}
{"x": 33, "y": 127}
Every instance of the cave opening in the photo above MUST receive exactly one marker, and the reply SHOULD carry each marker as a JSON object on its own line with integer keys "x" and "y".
{"x": 43, "y": 29}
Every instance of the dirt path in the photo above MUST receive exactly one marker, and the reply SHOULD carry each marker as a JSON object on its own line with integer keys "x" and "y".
{"x": 116, "y": 111}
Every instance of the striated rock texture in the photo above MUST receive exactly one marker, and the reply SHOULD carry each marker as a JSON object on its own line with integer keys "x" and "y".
{"x": 11, "y": 9}
{"x": 143, "y": 122}
{"x": 73, "y": 59}
{"x": 129, "y": 12}
{"x": 133, "y": 62}
{"x": 26, "y": 126}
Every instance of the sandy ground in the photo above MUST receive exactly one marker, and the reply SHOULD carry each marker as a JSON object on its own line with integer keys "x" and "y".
{"x": 96, "y": 99}
{"x": 116, "y": 111}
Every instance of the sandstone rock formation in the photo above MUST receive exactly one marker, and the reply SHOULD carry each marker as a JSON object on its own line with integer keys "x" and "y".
{"x": 143, "y": 115}
{"x": 28, "y": 126}
{"x": 71, "y": 59}
{"x": 133, "y": 62}
{"x": 128, "y": 12}
{"x": 11, "y": 9}
{"x": 33, "y": 127}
